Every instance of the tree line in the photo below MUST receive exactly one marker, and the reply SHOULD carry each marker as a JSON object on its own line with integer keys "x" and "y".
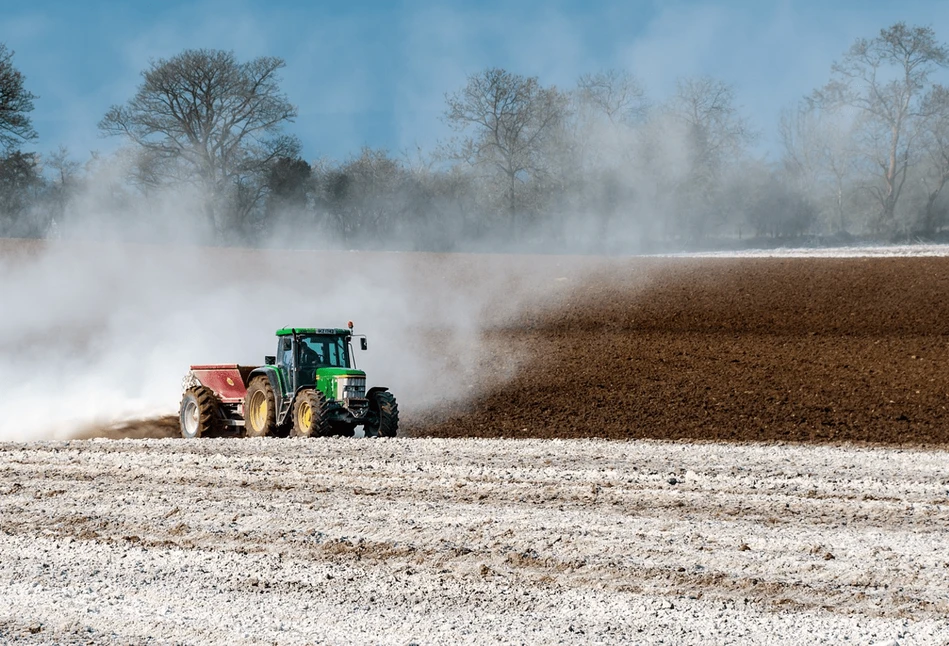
{"x": 207, "y": 150}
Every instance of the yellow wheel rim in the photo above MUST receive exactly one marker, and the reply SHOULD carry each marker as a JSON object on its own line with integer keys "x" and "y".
{"x": 306, "y": 415}
{"x": 258, "y": 410}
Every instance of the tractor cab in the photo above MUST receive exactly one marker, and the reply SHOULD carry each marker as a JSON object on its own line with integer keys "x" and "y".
{"x": 316, "y": 357}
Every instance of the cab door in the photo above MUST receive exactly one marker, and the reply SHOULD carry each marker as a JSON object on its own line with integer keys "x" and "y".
{"x": 307, "y": 359}
{"x": 285, "y": 364}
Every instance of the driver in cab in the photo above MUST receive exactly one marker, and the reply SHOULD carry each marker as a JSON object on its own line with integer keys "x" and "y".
{"x": 309, "y": 356}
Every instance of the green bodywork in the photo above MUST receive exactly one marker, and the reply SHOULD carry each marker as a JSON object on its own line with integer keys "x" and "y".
{"x": 326, "y": 379}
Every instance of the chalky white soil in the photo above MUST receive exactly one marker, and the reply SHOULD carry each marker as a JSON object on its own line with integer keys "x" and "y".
{"x": 471, "y": 541}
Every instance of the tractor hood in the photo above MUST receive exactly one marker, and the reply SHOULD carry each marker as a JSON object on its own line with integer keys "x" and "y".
{"x": 341, "y": 383}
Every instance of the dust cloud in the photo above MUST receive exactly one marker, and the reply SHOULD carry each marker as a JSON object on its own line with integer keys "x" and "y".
{"x": 97, "y": 333}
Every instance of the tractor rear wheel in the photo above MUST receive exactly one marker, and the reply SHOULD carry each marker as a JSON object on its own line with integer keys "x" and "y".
{"x": 198, "y": 414}
{"x": 260, "y": 413}
{"x": 309, "y": 414}
{"x": 383, "y": 415}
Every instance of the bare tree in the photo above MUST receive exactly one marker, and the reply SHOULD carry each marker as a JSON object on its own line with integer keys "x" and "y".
{"x": 149, "y": 170}
{"x": 774, "y": 207}
{"x": 63, "y": 168}
{"x": 606, "y": 108}
{"x": 818, "y": 158}
{"x": 289, "y": 184}
{"x": 20, "y": 180}
{"x": 886, "y": 80}
{"x": 718, "y": 131}
{"x": 62, "y": 172}
{"x": 220, "y": 118}
{"x": 616, "y": 94}
{"x": 506, "y": 121}
{"x": 935, "y": 141}
{"x": 368, "y": 196}
{"x": 15, "y": 104}
{"x": 716, "y": 135}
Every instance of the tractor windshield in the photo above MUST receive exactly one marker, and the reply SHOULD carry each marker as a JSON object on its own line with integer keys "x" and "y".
{"x": 321, "y": 351}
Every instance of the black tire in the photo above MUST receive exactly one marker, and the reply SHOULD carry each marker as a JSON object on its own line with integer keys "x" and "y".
{"x": 309, "y": 415}
{"x": 383, "y": 415}
{"x": 198, "y": 415}
{"x": 260, "y": 408}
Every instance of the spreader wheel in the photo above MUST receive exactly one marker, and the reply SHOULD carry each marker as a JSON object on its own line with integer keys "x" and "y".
{"x": 309, "y": 415}
{"x": 260, "y": 413}
{"x": 198, "y": 414}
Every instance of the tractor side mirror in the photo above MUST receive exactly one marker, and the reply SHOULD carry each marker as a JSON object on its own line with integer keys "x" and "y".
{"x": 363, "y": 343}
{"x": 270, "y": 360}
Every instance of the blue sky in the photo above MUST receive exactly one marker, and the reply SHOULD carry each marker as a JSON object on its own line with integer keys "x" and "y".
{"x": 375, "y": 73}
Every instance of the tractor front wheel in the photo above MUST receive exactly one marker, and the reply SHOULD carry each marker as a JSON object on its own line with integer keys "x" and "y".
{"x": 309, "y": 414}
{"x": 260, "y": 414}
{"x": 198, "y": 414}
{"x": 383, "y": 415}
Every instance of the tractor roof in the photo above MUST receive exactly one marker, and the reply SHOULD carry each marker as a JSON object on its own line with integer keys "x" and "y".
{"x": 287, "y": 331}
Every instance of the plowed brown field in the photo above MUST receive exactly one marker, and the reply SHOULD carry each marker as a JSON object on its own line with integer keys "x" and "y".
{"x": 801, "y": 349}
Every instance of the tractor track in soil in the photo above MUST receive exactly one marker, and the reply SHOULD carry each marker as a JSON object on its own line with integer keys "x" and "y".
{"x": 468, "y": 541}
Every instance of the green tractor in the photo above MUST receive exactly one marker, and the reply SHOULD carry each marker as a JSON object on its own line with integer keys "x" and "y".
{"x": 311, "y": 387}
